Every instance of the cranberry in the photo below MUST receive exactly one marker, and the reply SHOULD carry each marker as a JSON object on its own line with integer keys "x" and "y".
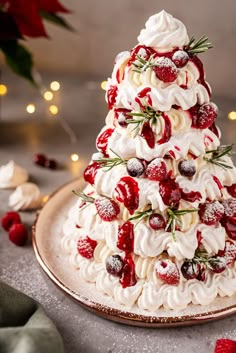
{"x": 157, "y": 170}
{"x": 40, "y": 159}
{"x": 187, "y": 168}
{"x": 170, "y": 192}
{"x": 51, "y": 164}
{"x": 165, "y": 69}
{"x": 218, "y": 264}
{"x": 157, "y": 221}
{"x": 114, "y": 265}
{"x": 190, "y": 270}
{"x": 211, "y": 213}
{"x": 180, "y": 58}
{"x": 135, "y": 167}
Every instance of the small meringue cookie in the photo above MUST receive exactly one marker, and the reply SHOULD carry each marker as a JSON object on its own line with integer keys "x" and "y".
{"x": 26, "y": 197}
{"x": 12, "y": 175}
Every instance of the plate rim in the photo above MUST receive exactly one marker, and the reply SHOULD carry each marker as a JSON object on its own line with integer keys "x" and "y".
{"x": 118, "y": 315}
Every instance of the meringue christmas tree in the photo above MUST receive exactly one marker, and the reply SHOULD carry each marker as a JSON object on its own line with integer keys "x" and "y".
{"x": 155, "y": 226}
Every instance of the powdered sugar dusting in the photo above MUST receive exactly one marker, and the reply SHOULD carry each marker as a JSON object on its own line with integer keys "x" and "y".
{"x": 230, "y": 207}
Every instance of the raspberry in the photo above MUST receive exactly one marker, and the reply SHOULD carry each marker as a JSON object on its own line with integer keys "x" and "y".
{"x": 206, "y": 115}
{"x": 107, "y": 209}
{"x": 165, "y": 69}
{"x": 86, "y": 246}
{"x": 190, "y": 270}
{"x": 40, "y": 159}
{"x": 135, "y": 167}
{"x": 114, "y": 265}
{"x": 167, "y": 271}
{"x": 18, "y": 234}
{"x": 225, "y": 346}
{"x": 157, "y": 170}
{"x": 230, "y": 207}
{"x": 156, "y": 221}
{"x": 187, "y": 168}
{"x": 229, "y": 253}
{"x": 180, "y": 58}
{"x": 211, "y": 213}
{"x": 10, "y": 218}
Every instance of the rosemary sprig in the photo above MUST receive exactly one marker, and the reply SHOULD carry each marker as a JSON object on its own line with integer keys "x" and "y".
{"x": 110, "y": 162}
{"x": 84, "y": 197}
{"x": 198, "y": 46}
{"x": 142, "y": 64}
{"x": 148, "y": 114}
{"x": 140, "y": 216}
{"x": 174, "y": 219}
{"x": 217, "y": 154}
{"x": 201, "y": 257}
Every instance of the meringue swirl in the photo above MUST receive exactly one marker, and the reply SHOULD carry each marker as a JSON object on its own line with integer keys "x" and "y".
{"x": 12, "y": 175}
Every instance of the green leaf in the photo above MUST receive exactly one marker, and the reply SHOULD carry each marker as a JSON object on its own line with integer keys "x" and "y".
{"x": 19, "y": 59}
{"x": 56, "y": 19}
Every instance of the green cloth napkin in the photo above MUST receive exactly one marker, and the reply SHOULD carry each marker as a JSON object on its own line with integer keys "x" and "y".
{"x": 24, "y": 326}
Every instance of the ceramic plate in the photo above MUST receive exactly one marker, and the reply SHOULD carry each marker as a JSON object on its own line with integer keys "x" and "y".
{"x": 46, "y": 242}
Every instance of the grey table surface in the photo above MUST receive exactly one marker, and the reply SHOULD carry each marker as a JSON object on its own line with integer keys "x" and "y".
{"x": 82, "y": 104}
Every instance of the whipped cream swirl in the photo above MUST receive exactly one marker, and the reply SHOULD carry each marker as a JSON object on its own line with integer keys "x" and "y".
{"x": 26, "y": 197}
{"x": 163, "y": 32}
{"x": 12, "y": 175}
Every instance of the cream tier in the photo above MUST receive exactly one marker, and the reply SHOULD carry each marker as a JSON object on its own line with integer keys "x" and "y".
{"x": 156, "y": 224}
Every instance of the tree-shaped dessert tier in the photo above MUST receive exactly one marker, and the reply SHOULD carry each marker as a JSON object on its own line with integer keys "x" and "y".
{"x": 156, "y": 225}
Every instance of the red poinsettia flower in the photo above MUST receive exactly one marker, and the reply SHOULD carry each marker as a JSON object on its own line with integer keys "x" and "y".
{"x": 27, "y": 14}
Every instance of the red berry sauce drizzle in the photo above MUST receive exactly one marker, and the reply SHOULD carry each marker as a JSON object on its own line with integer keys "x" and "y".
{"x": 127, "y": 191}
{"x": 91, "y": 172}
{"x": 111, "y": 96}
{"x": 102, "y": 141}
{"x": 167, "y": 130}
{"x": 201, "y": 79}
{"x": 126, "y": 243}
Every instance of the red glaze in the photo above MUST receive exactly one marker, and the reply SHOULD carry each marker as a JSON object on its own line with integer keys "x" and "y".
{"x": 232, "y": 190}
{"x": 170, "y": 192}
{"x": 214, "y": 129}
{"x": 199, "y": 237}
{"x": 128, "y": 278}
{"x": 148, "y": 134}
{"x": 217, "y": 181}
{"x": 102, "y": 140}
{"x": 230, "y": 228}
{"x": 90, "y": 172}
{"x": 144, "y": 94}
{"x": 191, "y": 196}
{"x": 201, "y": 79}
{"x": 167, "y": 130}
{"x": 111, "y": 96}
{"x": 128, "y": 192}
{"x": 148, "y": 52}
{"x": 125, "y": 240}
{"x": 119, "y": 75}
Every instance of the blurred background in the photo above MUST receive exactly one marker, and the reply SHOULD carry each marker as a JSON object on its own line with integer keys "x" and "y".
{"x": 80, "y": 61}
